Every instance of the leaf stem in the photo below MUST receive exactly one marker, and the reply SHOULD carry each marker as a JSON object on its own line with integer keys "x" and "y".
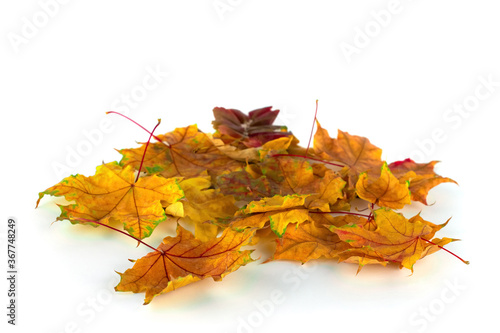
{"x": 310, "y": 158}
{"x": 347, "y": 213}
{"x": 120, "y": 231}
{"x": 371, "y": 212}
{"x": 145, "y": 149}
{"x": 124, "y": 116}
{"x": 442, "y": 248}
{"x": 312, "y": 128}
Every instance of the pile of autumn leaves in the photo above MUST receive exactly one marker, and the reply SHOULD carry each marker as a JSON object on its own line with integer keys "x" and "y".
{"x": 249, "y": 182}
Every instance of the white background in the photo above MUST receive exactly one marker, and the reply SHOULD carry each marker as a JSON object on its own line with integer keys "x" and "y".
{"x": 59, "y": 77}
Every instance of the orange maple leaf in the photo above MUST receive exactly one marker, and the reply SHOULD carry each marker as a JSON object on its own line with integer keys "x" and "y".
{"x": 308, "y": 241}
{"x": 395, "y": 239}
{"x": 421, "y": 176}
{"x": 356, "y": 152}
{"x": 185, "y": 152}
{"x": 184, "y": 259}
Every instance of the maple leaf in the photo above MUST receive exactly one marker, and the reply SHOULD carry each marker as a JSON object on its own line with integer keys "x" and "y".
{"x": 342, "y": 220}
{"x": 277, "y": 202}
{"x": 344, "y": 252}
{"x": 235, "y": 152}
{"x": 437, "y": 245}
{"x": 184, "y": 152}
{"x": 360, "y": 257}
{"x": 202, "y": 204}
{"x": 385, "y": 191}
{"x": 395, "y": 239}
{"x": 329, "y": 193}
{"x": 243, "y": 186}
{"x": 421, "y": 176}
{"x": 356, "y": 152}
{"x": 184, "y": 259}
{"x": 253, "y": 129}
{"x": 112, "y": 195}
{"x": 308, "y": 241}
{"x": 278, "y": 210}
{"x": 256, "y": 181}
{"x": 288, "y": 175}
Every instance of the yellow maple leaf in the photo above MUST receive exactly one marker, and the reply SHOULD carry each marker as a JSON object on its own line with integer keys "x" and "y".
{"x": 385, "y": 191}
{"x": 113, "y": 195}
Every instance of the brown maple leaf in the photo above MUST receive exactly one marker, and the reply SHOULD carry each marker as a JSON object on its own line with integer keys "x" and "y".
{"x": 243, "y": 186}
{"x": 184, "y": 152}
{"x": 184, "y": 259}
{"x": 289, "y": 175}
{"x": 356, "y": 152}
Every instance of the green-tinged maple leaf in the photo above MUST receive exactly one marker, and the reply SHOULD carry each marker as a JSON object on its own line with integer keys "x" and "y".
{"x": 279, "y": 222}
{"x": 277, "y": 202}
{"x": 395, "y": 239}
{"x": 112, "y": 195}
{"x": 278, "y": 210}
{"x": 421, "y": 176}
{"x": 202, "y": 204}
{"x": 329, "y": 192}
{"x": 385, "y": 190}
{"x": 184, "y": 259}
{"x": 184, "y": 152}
{"x": 356, "y": 152}
{"x": 253, "y": 129}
